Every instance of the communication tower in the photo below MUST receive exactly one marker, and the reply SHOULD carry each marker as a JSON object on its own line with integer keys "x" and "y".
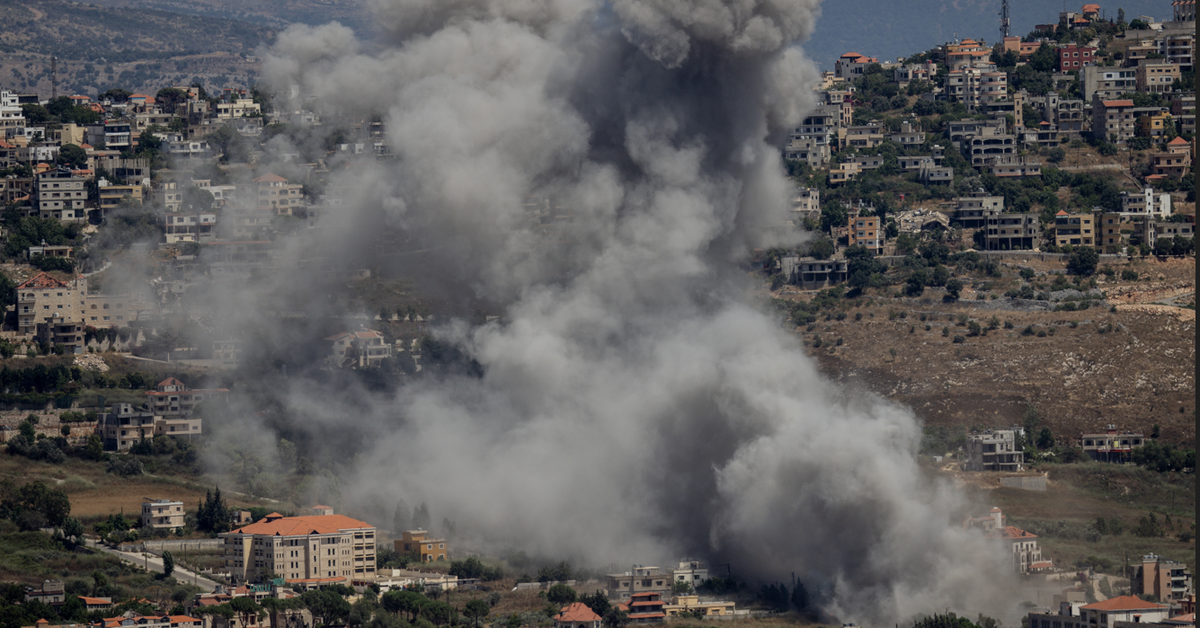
{"x": 1003, "y": 19}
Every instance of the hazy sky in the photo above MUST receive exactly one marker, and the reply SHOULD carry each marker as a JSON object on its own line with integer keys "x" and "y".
{"x": 890, "y": 29}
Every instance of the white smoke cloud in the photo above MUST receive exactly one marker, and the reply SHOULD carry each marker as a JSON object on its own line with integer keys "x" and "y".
{"x": 631, "y": 407}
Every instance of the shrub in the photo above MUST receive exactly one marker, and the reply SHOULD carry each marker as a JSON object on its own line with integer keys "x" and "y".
{"x": 1129, "y": 275}
{"x": 958, "y": 340}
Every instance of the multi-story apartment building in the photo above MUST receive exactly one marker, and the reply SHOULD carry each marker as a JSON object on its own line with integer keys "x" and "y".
{"x": 172, "y": 397}
{"x": 1113, "y": 234}
{"x": 238, "y": 108}
{"x": 274, "y": 193}
{"x": 1073, "y": 57}
{"x": 1010, "y": 232}
{"x": 1176, "y": 162}
{"x": 112, "y": 135}
{"x": 865, "y": 136}
{"x": 1156, "y": 76}
{"x": 1026, "y": 555}
{"x": 1111, "y": 445}
{"x": 50, "y": 310}
{"x": 113, "y": 195}
{"x": 1107, "y": 83}
{"x": 1074, "y": 229}
{"x": 360, "y": 349}
{"x": 162, "y": 514}
{"x": 809, "y": 150}
{"x": 971, "y": 211}
{"x": 1166, "y": 580}
{"x": 865, "y": 231}
{"x": 995, "y": 450}
{"x": 647, "y": 607}
{"x": 124, "y": 426}
{"x": 422, "y": 547}
{"x": 1113, "y": 120}
{"x": 11, "y": 115}
{"x": 690, "y": 571}
{"x": 188, "y": 227}
{"x": 852, "y": 65}
{"x": 639, "y": 579}
{"x": 60, "y": 194}
{"x": 1146, "y": 203}
{"x": 985, "y": 150}
{"x": 306, "y": 550}
{"x": 1179, "y": 48}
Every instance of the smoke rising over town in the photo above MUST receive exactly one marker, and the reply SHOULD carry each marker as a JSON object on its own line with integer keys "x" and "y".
{"x": 628, "y": 405}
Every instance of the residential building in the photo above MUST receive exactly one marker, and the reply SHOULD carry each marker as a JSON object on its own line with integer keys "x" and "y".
{"x": 852, "y": 65}
{"x": 46, "y": 310}
{"x": 1072, "y": 57}
{"x": 971, "y": 212}
{"x": 1154, "y": 125}
{"x": 866, "y": 231}
{"x": 1115, "y": 612}
{"x": 866, "y": 162}
{"x": 690, "y": 571}
{"x": 1074, "y": 229}
{"x": 188, "y": 227}
{"x": 238, "y": 108}
{"x": 1111, "y": 445}
{"x": 1176, "y": 162}
{"x": 420, "y": 546}
{"x": 124, "y": 427}
{"x": 113, "y": 195}
{"x": 1026, "y": 556}
{"x": 577, "y": 615}
{"x": 820, "y": 125}
{"x": 359, "y": 349}
{"x": 966, "y": 53}
{"x": 960, "y": 130}
{"x": 1016, "y": 168}
{"x": 1179, "y": 48}
{"x": 811, "y": 273}
{"x": 935, "y": 174}
{"x": 11, "y": 115}
{"x": 1113, "y": 233}
{"x": 1107, "y": 83}
{"x": 865, "y": 136}
{"x": 162, "y": 514}
{"x": 639, "y": 579}
{"x": 808, "y": 149}
{"x": 1146, "y": 203}
{"x": 806, "y": 200}
{"x": 1024, "y": 49}
{"x": 172, "y": 397}
{"x": 397, "y": 579}
{"x": 1166, "y": 580}
{"x": 994, "y": 450}
{"x": 984, "y": 150}
{"x": 60, "y": 194}
{"x": 132, "y": 620}
{"x": 1113, "y": 120}
{"x": 1011, "y": 232}
{"x": 276, "y": 194}
{"x": 844, "y": 172}
{"x": 908, "y": 135}
{"x": 1068, "y": 116}
{"x": 692, "y": 603}
{"x": 51, "y": 592}
{"x": 1151, "y": 231}
{"x": 111, "y": 135}
{"x": 646, "y": 607}
{"x": 303, "y": 550}
{"x": 915, "y": 162}
{"x": 994, "y": 520}
{"x": 1156, "y": 76}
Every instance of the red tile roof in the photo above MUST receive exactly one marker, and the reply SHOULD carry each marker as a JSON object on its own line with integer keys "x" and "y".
{"x": 1010, "y": 532}
{"x": 1124, "y": 603}
{"x": 42, "y": 280}
{"x": 1177, "y": 142}
{"x": 1118, "y": 103}
{"x": 576, "y": 611}
{"x": 170, "y": 381}
{"x": 298, "y": 526}
{"x": 94, "y": 600}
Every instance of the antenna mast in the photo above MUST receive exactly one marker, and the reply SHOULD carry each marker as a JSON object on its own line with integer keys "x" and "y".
{"x": 53, "y": 78}
{"x": 1003, "y": 19}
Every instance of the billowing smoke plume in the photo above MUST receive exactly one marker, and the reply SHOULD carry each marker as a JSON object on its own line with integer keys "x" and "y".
{"x": 631, "y": 406}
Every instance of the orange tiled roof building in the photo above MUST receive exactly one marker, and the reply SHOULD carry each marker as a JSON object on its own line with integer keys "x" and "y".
{"x": 305, "y": 551}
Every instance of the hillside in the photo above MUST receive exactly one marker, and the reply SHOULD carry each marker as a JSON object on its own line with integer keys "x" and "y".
{"x": 138, "y": 49}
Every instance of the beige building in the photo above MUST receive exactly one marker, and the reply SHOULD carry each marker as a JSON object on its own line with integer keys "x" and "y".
{"x": 1165, "y": 579}
{"x": 49, "y": 310}
{"x": 639, "y": 579}
{"x": 1115, "y": 612}
{"x": 865, "y": 231}
{"x": 1074, "y": 229}
{"x": 1113, "y": 120}
{"x": 1111, "y": 445}
{"x": 690, "y": 603}
{"x": 60, "y": 194}
{"x": 359, "y": 349}
{"x": 1026, "y": 556}
{"x": 172, "y": 397}
{"x": 1156, "y": 76}
{"x": 994, "y": 451}
{"x": 162, "y": 514}
{"x": 124, "y": 427}
{"x": 113, "y": 195}
{"x": 1176, "y": 162}
{"x": 188, "y": 227}
{"x": 276, "y": 194}
{"x": 419, "y": 545}
{"x": 305, "y": 551}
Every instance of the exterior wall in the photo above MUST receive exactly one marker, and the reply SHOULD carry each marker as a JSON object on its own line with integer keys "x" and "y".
{"x": 1074, "y": 229}
{"x": 641, "y": 579}
{"x": 994, "y": 451}
{"x": 346, "y": 554}
{"x": 162, "y": 514}
{"x": 1007, "y": 232}
{"x": 865, "y": 231}
{"x": 60, "y": 195}
{"x": 418, "y": 543}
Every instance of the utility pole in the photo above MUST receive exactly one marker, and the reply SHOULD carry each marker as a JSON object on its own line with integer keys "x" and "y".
{"x": 53, "y": 78}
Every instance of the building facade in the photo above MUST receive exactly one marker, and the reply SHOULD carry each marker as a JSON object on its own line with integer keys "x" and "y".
{"x": 325, "y": 548}
{"x": 994, "y": 451}
{"x": 419, "y": 545}
{"x": 162, "y": 514}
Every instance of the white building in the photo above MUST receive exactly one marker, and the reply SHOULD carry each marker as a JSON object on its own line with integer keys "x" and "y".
{"x": 1146, "y": 203}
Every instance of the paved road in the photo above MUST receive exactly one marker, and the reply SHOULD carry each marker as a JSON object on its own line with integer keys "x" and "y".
{"x": 154, "y": 563}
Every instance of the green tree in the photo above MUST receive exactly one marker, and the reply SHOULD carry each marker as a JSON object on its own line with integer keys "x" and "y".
{"x": 800, "y": 596}
{"x": 72, "y": 156}
{"x": 476, "y": 610}
{"x": 822, "y": 248}
{"x": 954, "y": 288}
{"x": 247, "y": 609}
{"x": 1083, "y": 260}
{"x": 169, "y": 564}
{"x": 1045, "y": 439}
{"x": 833, "y": 214}
{"x": 73, "y": 529}
{"x": 561, "y": 594}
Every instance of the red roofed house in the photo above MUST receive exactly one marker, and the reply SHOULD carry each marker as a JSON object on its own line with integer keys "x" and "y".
{"x": 577, "y": 615}
{"x": 133, "y": 620}
{"x": 1090, "y": 11}
{"x": 646, "y": 608}
{"x": 308, "y": 552}
{"x": 1117, "y": 611}
{"x": 359, "y": 349}
{"x": 852, "y": 65}
{"x": 172, "y": 397}
{"x": 1113, "y": 120}
{"x": 1176, "y": 162}
{"x": 1023, "y": 545}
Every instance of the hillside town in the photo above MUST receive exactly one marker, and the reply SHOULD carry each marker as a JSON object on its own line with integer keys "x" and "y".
{"x": 1031, "y": 172}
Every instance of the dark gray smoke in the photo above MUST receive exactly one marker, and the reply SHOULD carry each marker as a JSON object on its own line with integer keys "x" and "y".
{"x": 632, "y": 406}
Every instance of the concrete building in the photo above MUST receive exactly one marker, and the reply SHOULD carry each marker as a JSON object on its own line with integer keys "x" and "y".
{"x": 50, "y": 310}
{"x": 1113, "y": 234}
{"x": 692, "y": 603}
{"x": 577, "y": 615}
{"x": 866, "y": 231}
{"x": 995, "y": 450}
{"x": 188, "y": 227}
{"x": 985, "y": 150}
{"x": 806, "y": 200}
{"x": 422, "y": 547}
{"x": 172, "y": 397}
{"x": 358, "y": 349}
{"x": 1011, "y": 232}
{"x": 112, "y": 196}
{"x": 1176, "y": 162}
{"x": 1156, "y": 76}
{"x": 809, "y": 150}
{"x": 51, "y": 592}
{"x": 396, "y": 579}
{"x": 1074, "y": 229}
{"x": 1146, "y": 203}
{"x": 11, "y": 115}
{"x": 1113, "y": 120}
{"x": 1166, "y": 580}
{"x": 971, "y": 212}
{"x": 646, "y": 607}
{"x": 60, "y": 194}
{"x": 1026, "y": 556}
{"x": 1107, "y": 83}
{"x": 162, "y": 514}
{"x": 1116, "y": 612}
{"x": 304, "y": 551}
{"x": 274, "y": 193}
{"x": 132, "y": 620}
{"x": 852, "y": 65}
{"x": 125, "y": 426}
{"x": 690, "y": 571}
{"x": 1111, "y": 445}
{"x": 865, "y": 136}
{"x": 812, "y": 273}
{"x": 1073, "y": 57}
{"x": 639, "y": 579}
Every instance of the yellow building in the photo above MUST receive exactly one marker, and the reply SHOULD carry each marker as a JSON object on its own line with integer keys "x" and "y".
{"x": 1153, "y": 126}
{"x": 1074, "y": 229}
{"x": 306, "y": 552}
{"x": 685, "y": 603}
{"x": 418, "y": 544}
